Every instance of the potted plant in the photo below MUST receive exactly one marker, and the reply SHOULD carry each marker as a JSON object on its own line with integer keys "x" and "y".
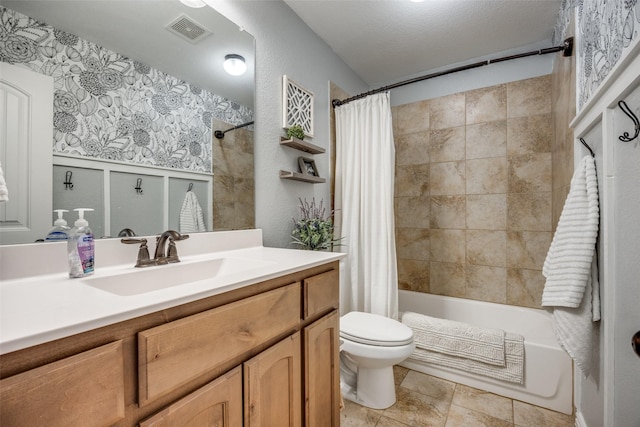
{"x": 295, "y": 131}
{"x": 312, "y": 230}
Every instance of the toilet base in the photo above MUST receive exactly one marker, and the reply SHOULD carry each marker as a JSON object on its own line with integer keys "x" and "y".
{"x": 375, "y": 388}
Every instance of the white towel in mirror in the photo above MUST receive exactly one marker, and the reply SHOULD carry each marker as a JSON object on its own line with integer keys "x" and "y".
{"x": 191, "y": 218}
{"x": 4, "y": 191}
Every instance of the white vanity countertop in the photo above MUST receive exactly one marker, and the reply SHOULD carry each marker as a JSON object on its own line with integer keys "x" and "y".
{"x": 46, "y": 307}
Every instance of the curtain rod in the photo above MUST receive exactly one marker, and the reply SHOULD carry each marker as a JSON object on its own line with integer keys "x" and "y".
{"x": 566, "y": 48}
{"x": 220, "y": 134}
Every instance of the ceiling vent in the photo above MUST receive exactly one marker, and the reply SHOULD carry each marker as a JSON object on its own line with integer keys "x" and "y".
{"x": 188, "y": 29}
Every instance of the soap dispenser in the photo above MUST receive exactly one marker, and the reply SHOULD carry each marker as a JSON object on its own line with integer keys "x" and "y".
{"x": 80, "y": 247}
{"x": 60, "y": 231}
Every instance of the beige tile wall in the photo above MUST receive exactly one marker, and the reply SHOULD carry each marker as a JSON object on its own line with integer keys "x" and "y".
{"x": 233, "y": 179}
{"x": 474, "y": 192}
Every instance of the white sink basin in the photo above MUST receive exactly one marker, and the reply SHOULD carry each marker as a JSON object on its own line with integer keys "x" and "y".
{"x": 149, "y": 279}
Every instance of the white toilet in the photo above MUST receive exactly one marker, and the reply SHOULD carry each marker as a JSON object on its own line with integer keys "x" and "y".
{"x": 370, "y": 345}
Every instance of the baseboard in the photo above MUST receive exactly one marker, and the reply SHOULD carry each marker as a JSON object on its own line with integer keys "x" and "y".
{"x": 580, "y": 422}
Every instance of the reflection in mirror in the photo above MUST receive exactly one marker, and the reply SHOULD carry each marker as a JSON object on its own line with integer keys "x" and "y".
{"x": 135, "y": 99}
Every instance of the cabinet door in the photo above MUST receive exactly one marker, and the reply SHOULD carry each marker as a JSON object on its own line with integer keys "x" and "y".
{"x": 322, "y": 372}
{"x": 82, "y": 390}
{"x": 273, "y": 388}
{"x": 219, "y": 404}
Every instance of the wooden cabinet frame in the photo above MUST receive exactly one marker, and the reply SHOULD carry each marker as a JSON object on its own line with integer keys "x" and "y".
{"x": 138, "y": 406}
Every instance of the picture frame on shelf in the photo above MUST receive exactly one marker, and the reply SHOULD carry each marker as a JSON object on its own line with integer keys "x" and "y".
{"x": 307, "y": 166}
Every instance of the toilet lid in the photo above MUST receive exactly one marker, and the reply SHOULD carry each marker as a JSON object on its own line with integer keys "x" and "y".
{"x": 373, "y": 329}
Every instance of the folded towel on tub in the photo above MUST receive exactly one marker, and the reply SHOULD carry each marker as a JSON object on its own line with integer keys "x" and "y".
{"x": 457, "y": 338}
{"x": 513, "y": 371}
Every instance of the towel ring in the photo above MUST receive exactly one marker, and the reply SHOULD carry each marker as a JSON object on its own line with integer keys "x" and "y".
{"x": 190, "y": 187}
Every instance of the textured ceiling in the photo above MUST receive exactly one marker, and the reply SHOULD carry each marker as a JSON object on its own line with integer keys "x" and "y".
{"x": 384, "y": 41}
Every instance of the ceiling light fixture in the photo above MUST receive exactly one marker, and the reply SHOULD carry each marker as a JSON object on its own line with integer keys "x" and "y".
{"x": 193, "y": 3}
{"x": 234, "y": 64}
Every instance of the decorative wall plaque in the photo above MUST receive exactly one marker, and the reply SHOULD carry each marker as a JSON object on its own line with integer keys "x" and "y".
{"x": 297, "y": 106}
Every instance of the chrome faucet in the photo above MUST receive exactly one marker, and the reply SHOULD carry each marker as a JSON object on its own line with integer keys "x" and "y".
{"x": 168, "y": 253}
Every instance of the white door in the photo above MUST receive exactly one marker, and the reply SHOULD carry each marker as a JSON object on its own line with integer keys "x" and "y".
{"x": 26, "y": 138}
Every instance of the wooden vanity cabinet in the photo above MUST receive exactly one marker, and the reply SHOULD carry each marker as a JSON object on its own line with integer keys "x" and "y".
{"x": 262, "y": 355}
{"x": 82, "y": 390}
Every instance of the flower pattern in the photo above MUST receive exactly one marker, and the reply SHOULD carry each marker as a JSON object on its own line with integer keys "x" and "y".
{"x": 16, "y": 49}
{"x": 605, "y": 30}
{"x": 107, "y": 106}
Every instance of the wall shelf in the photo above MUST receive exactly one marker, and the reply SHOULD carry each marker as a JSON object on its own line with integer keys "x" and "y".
{"x": 297, "y": 176}
{"x": 301, "y": 145}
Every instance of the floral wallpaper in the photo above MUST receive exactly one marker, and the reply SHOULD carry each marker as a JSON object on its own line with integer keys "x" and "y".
{"x": 563, "y": 21}
{"x": 605, "y": 29}
{"x": 107, "y": 106}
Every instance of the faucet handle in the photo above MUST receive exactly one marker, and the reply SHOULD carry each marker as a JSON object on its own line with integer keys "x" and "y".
{"x": 172, "y": 252}
{"x": 143, "y": 253}
{"x": 129, "y": 240}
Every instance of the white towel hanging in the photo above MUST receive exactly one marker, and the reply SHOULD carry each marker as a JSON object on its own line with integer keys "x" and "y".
{"x": 572, "y": 291}
{"x": 4, "y": 191}
{"x": 568, "y": 263}
{"x": 191, "y": 217}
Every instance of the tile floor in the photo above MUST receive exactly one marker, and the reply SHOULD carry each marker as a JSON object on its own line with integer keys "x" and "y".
{"x": 426, "y": 401}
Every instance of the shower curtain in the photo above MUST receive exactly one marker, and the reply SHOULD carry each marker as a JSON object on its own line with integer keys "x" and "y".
{"x": 365, "y": 169}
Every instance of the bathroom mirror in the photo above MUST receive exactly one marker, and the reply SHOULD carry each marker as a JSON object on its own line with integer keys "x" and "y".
{"x": 164, "y": 36}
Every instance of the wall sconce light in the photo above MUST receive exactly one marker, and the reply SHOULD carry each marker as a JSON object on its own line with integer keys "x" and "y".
{"x": 234, "y": 64}
{"x": 193, "y": 3}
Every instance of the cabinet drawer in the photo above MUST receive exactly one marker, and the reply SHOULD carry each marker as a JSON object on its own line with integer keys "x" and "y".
{"x": 82, "y": 390}
{"x": 321, "y": 293}
{"x": 173, "y": 354}
{"x": 218, "y": 403}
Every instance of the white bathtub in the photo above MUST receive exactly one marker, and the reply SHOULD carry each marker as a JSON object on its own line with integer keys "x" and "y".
{"x": 548, "y": 380}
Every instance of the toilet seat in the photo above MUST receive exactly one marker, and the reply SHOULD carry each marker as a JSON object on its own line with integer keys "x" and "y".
{"x": 373, "y": 329}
